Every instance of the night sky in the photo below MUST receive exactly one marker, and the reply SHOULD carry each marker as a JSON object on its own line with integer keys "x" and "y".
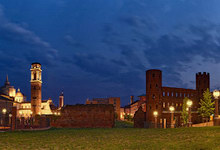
{"x": 100, "y": 48}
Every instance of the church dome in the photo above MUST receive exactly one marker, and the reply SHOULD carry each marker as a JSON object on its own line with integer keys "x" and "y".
{"x": 19, "y": 94}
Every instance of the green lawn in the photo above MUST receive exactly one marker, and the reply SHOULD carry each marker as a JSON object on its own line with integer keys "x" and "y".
{"x": 116, "y": 138}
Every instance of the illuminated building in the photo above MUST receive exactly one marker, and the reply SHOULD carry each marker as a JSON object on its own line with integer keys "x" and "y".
{"x": 9, "y": 97}
{"x": 159, "y": 98}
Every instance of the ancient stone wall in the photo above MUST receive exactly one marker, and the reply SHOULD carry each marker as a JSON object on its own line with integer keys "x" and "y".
{"x": 86, "y": 116}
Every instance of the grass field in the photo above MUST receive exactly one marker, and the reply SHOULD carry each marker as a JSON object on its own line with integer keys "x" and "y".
{"x": 116, "y": 138}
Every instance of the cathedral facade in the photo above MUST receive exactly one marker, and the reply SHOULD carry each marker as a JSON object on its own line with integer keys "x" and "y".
{"x": 10, "y": 97}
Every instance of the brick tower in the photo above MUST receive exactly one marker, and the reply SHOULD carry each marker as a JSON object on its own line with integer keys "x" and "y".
{"x": 202, "y": 83}
{"x": 61, "y": 100}
{"x": 153, "y": 94}
{"x": 36, "y": 83}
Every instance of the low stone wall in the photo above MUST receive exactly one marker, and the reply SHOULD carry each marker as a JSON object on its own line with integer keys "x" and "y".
{"x": 86, "y": 116}
{"x": 206, "y": 124}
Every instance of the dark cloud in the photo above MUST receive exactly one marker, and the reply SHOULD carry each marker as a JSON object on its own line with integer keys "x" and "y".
{"x": 14, "y": 34}
{"x": 138, "y": 22}
{"x": 119, "y": 62}
{"x": 70, "y": 40}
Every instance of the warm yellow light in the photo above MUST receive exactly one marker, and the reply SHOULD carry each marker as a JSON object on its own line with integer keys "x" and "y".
{"x": 189, "y": 103}
{"x": 10, "y": 115}
{"x": 31, "y": 113}
{"x": 20, "y": 112}
{"x": 216, "y": 94}
{"x": 172, "y": 108}
{"x": 4, "y": 110}
{"x": 58, "y": 113}
{"x": 187, "y": 109}
{"x": 155, "y": 113}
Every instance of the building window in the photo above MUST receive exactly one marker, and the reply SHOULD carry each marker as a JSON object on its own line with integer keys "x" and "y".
{"x": 168, "y": 94}
{"x": 164, "y": 104}
{"x": 115, "y": 101}
{"x": 164, "y": 93}
{"x": 156, "y": 86}
{"x": 180, "y": 94}
{"x": 150, "y": 86}
{"x": 153, "y": 96}
{"x": 176, "y": 94}
{"x": 168, "y": 104}
{"x": 172, "y": 94}
{"x": 156, "y": 106}
{"x": 153, "y": 75}
{"x": 35, "y": 76}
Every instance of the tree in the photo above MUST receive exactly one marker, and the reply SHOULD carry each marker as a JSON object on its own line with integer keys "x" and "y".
{"x": 184, "y": 113}
{"x": 128, "y": 117}
{"x": 206, "y": 105}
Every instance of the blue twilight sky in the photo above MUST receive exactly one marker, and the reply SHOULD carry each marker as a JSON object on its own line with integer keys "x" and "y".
{"x": 100, "y": 48}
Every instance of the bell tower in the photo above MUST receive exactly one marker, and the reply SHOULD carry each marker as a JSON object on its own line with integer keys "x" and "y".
{"x": 61, "y": 100}
{"x": 36, "y": 83}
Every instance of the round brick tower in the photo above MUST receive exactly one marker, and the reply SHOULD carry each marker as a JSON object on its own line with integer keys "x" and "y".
{"x": 153, "y": 94}
{"x": 36, "y": 83}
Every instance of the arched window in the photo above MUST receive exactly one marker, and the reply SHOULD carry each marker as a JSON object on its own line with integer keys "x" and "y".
{"x": 35, "y": 76}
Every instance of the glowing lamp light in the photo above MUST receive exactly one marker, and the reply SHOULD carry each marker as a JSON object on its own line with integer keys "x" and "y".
{"x": 20, "y": 112}
{"x": 10, "y": 115}
{"x": 155, "y": 113}
{"x": 189, "y": 103}
{"x": 31, "y": 113}
{"x": 4, "y": 110}
{"x": 216, "y": 94}
{"x": 171, "y": 108}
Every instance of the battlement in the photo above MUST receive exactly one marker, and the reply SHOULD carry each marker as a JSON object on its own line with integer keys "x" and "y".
{"x": 202, "y": 74}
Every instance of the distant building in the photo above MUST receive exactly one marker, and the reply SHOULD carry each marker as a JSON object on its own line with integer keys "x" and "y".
{"x": 115, "y": 101}
{"x": 131, "y": 108}
{"x": 9, "y": 97}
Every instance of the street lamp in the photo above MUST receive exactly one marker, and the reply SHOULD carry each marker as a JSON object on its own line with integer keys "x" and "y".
{"x": 4, "y": 111}
{"x": 189, "y": 104}
{"x": 155, "y": 116}
{"x": 10, "y": 120}
{"x": 172, "y": 112}
{"x": 216, "y": 95}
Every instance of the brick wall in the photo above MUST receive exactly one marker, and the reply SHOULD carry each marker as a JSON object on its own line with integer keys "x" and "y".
{"x": 86, "y": 116}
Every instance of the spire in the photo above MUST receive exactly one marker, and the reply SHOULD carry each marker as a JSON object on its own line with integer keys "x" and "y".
{"x": 61, "y": 94}
{"x": 7, "y": 82}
